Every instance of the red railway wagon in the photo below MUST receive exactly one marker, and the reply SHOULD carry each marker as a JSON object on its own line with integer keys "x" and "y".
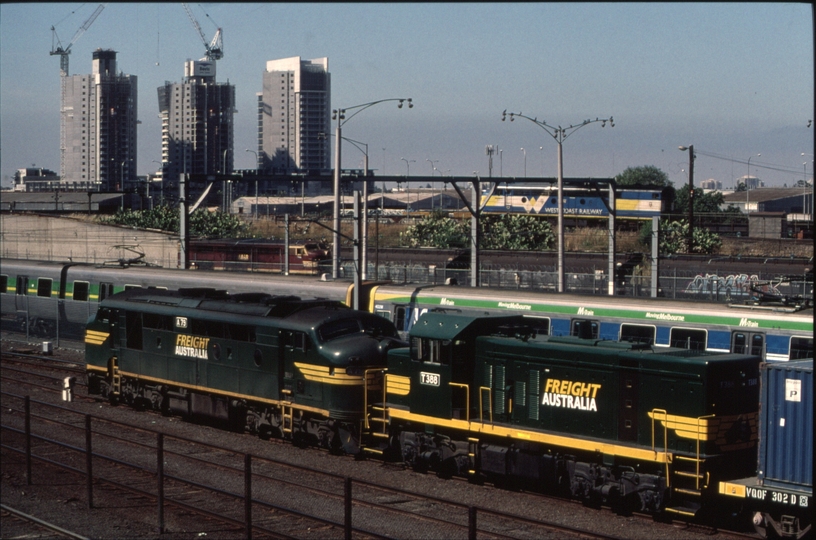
{"x": 257, "y": 254}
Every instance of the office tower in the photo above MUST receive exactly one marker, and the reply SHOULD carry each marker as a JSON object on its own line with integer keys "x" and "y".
{"x": 99, "y": 118}
{"x": 197, "y": 124}
{"x": 294, "y": 116}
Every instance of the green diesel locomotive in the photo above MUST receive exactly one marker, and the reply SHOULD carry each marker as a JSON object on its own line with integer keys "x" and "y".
{"x": 276, "y": 365}
{"x": 632, "y": 426}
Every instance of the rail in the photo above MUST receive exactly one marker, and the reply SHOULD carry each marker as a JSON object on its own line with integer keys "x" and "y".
{"x": 92, "y": 430}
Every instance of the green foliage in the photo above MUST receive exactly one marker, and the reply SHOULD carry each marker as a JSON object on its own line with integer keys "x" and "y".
{"x": 647, "y": 175}
{"x": 498, "y": 232}
{"x": 518, "y": 233}
{"x": 437, "y": 230}
{"x": 704, "y": 203}
{"x": 674, "y": 238}
{"x": 202, "y": 222}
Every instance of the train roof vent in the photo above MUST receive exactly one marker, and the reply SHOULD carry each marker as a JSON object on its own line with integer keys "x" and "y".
{"x": 251, "y": 298}
{"x": 203, "y": 292}
{"x": 291, "y": 305}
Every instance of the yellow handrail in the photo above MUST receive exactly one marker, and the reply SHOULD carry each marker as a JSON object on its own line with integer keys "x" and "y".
{"x": 467, "y": 398}
{"x": 365, "y": 393}
{"x": 489, "y": 400}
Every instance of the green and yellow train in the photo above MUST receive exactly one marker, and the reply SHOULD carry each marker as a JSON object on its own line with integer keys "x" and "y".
{"x": 276, "y": 365}
{"x": 628, "y": 425}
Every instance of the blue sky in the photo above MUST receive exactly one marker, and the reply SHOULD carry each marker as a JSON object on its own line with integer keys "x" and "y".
{"x": 734, "y": 79}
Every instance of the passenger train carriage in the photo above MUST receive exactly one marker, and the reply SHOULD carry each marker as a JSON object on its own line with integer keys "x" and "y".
{"x": 778, "y": 334}
{"x": 38, "y": 291}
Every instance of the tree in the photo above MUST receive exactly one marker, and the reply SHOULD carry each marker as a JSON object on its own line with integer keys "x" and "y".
{"x": 437, "y": 230}
{"x": 674, "y": 239}
{"x": 202, "y": 222}
{"x": 518, "y": 233}
{"x": 504, "y": 231}
{"x": 647, "y": 175}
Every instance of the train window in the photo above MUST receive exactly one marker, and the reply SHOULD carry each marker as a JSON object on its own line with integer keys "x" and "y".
{"x": 216, "y": 349}
{"x": 258, "y": 356}
{"x": 747, "y": 343}
{"x": 105, "y": 290}
{"x": 157, "y": 322}
{"x": 399, "y": 317}
{"x": 688, "y": 338}
{"x": 539, "y": 325}
{"x": 337, "y": 329}
{"x": 22, "y": 285}
{"x": 207, "y": 328}
{"x": 377, "y": 329}
{"x": 128, "y": 287}
{"x": 637, "y": 333}
{"x": 385, "y": 314}
{"x": 585, "y": 328}
{"x": 81, "y": 291}
{"x": 3, "y": 284}
{"x": 295, "y": 340}
{"x": 44, "y": 287}
{"x": 801, "y": 347}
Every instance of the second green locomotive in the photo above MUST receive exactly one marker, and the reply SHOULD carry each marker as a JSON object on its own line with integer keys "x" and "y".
{"x": 632, "y": 426}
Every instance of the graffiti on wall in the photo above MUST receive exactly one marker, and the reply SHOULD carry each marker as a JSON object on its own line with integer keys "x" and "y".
{"x": 733, "y": 284}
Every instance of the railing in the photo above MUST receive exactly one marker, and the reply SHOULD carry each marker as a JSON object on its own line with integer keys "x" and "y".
{"x": 102, "y": 451}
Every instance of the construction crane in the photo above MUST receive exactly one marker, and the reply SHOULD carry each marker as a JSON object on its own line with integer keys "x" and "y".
{"x": 215, "y": 48}
{"x": 63, "y": 52}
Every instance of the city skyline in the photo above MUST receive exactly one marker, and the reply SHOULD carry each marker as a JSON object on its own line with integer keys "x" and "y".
{"x": 734, "y": 80}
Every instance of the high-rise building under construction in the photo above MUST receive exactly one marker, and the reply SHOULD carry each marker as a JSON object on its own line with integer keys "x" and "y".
{"x": 99, "y": 127}
{"x": 294, "y": 116}
{"x": 197, "y": 124}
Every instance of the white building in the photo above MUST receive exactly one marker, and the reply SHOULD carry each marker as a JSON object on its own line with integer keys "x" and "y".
{"x": 197, "y": 124}
{"x": 99, "y": 115}
{"x": 294, "y": 116}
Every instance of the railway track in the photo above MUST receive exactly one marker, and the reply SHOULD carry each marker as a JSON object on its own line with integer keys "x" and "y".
{"x": 285, "y": 492}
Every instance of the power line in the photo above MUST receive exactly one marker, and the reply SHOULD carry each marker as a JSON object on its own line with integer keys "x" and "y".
{"x": 758, "y": 164}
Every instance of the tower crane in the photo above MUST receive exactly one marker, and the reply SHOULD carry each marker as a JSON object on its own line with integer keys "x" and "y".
{"x": 63, "y": 52}
{"x": 215, "y": 48}
{"x": 56, "y": 45}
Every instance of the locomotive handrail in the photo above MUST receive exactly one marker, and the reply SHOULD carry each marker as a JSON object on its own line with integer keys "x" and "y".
{"x": 467, "y": 399}
{"x": 365, "y": 394}
{"x": 665, "y": 440}
{"x": 489, "y": 401}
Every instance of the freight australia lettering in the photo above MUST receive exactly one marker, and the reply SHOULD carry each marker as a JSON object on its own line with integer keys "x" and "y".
{"x": 191, "y": 346}
{"x": 570, "y": 394}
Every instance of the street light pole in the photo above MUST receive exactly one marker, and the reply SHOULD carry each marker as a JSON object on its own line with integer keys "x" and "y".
{"x": 746, "y": 182}
{"x": 690, "y": 241}
{"x": 255, "y": 213}
{"x": 407, "y": 183}
{"x": 560, "y": 135}
{"x": 433, "y": 186}
{"x": 340, "y": 116}
{"x": 525, "y": 162}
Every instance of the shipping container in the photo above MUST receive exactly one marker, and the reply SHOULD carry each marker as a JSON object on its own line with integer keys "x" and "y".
{"x": 786, "y": 414}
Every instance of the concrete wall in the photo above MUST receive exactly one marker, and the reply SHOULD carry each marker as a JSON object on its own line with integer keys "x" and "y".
{"x": 28, "y": 236}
